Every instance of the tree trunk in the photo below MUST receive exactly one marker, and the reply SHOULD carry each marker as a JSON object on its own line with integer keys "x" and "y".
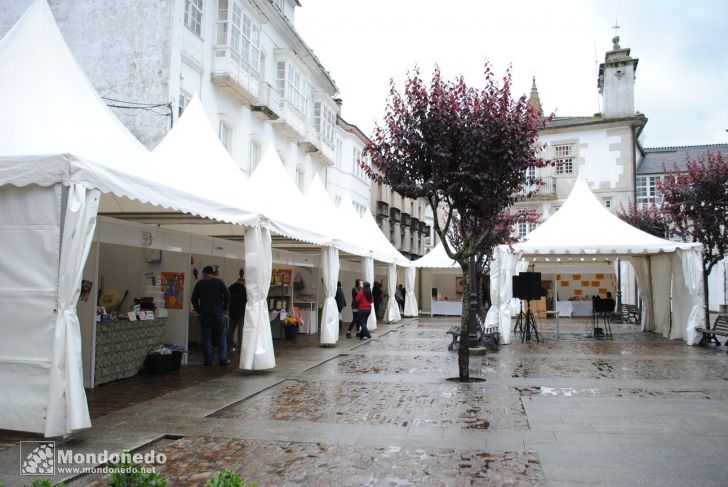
{"x": 464, "y": 349}
{"x": 705, "y": 296}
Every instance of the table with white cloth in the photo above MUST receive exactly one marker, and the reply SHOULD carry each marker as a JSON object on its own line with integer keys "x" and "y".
{"x": 574, "y": 308}
{"x": 447, "y": 308}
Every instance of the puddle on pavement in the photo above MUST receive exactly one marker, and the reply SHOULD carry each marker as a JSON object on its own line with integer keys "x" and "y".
{"x": 406, "y": 405}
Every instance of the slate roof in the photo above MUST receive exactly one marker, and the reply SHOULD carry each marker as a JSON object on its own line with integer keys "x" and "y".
{"x": 674, "y": 158}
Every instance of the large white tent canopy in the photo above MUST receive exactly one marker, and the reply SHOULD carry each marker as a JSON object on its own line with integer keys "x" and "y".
{"x": 437, "y": 258}
{"x": 584, "y": 228}
{"x": 60, "y": 148}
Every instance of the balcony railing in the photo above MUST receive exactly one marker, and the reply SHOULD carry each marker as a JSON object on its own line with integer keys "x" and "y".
{"x": 394, "y": 214}
{"x": 291, "y": 120}
{"x": 382, "y": 209}
{"x": 234, "y": 75}
{"x": 542, "y": 188}
{"x": 268, "y": 103}
{"x": 415, "y": 224}
{"x": 423, "y": 228}
{"x": 310, "y": 142}
{"x": 405, "y": 219}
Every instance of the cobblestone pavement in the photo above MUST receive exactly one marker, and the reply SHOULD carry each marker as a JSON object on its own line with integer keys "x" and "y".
{"x": 635, "y": 410}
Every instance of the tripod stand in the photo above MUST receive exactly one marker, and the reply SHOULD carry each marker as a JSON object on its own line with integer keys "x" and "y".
{"x": 525, "y": 323}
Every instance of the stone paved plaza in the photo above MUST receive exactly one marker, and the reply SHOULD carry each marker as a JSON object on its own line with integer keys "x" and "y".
{"x": 635, "y": 410}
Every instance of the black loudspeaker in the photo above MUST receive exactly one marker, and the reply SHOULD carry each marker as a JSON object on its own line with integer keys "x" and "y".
{"x": 527, "y": 285}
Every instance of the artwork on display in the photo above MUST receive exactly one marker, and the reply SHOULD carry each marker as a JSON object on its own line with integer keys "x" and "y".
{"x": 564, "y": 283}
{"x": 458, "y": 285}
{"x": 585, "y": 283}
{"x": 153, "y": 256}
{"x": 603, "y": 290}
{"x": 577, "y": 292}
{"x": 281, "y": 277}
{"x": 85, "y": 290}
{"x": 596, "y": 283}
{"x": 576, "y": 277}
{"x": 173, "y": 284}
{"x": 599, "y": 276}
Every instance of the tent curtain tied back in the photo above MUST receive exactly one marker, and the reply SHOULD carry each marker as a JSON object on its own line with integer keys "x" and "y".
{"x": 410, "y": 301}
{"x": 257, "y": 350}
{"x": 330, "y": 315}
{"x": 393, "y": 313}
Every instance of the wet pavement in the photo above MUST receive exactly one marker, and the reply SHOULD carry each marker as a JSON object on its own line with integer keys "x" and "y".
{"x": 635, "y": 410}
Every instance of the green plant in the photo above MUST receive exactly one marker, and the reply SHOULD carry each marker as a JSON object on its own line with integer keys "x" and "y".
{"x": 42, "y": 483}
{"x": 131, "y": 474}
{"x": 228, "y": 478}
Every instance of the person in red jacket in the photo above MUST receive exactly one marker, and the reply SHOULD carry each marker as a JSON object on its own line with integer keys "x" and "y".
{"x": 364, "y": 302}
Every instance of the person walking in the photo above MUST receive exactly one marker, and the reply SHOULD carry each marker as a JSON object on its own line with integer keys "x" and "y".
{"x": 364, "y": 301}
{"x": 377, "y": 293}
{"x": 354, "y": 310}
{"x": 399, "y": 296}
{"x": 340, "y": 302}
{"x": 238, "y": 300}
{"x": 210, "y": 300}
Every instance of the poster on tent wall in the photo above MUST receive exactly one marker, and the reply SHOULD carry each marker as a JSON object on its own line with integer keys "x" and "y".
{"x": 173, "y": 284}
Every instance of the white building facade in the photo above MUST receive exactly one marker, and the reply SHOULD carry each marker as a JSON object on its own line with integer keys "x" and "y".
{"x": 260, "y": 84}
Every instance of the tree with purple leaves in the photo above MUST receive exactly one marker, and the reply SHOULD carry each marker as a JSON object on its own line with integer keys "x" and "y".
{"x": 696, "y": 203}
{"x": 648, "y": 218}
{"x": 466, "y": 151}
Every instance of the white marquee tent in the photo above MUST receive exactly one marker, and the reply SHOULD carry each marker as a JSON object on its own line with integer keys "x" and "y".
{"x": 60, "y": 148}
{"x": 669, "y": 273}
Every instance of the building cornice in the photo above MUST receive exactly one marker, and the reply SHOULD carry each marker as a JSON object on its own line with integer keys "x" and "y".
{"x": 638, "y": 121}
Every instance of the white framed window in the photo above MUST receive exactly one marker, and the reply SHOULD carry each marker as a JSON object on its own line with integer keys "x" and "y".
{"x": 564, "y": 159}
{"x": 184, "y": 100}
{"x": 324, "y": 119}
{"x": 355, "y": 156}
{"x": 225, "y": 133}
{"x": 193, "y": 15}
{"x": 526, "y": 228}
{"x": 646, "y": 190}
{"x": 339, "y": 143}
{"x": 254, "y": 154}
{"x": 238, "y": 31}
{"x": 291, "y": 86}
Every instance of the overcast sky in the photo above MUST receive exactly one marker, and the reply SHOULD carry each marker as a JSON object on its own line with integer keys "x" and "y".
{"x": 682, "y": 47}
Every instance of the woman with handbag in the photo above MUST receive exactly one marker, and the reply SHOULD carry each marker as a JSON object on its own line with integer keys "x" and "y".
{"x": 364, "y": 301}
{"x": 354, "y": 310}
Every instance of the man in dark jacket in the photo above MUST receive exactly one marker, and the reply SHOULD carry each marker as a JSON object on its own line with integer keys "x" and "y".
{"x": 377, "y": 293}
{"x": 340, "y": 301}
{"x": 238, "y": 300}
{"x": 210, "y": 300}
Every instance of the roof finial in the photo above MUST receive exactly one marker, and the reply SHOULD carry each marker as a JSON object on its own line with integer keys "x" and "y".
{"x": 615, "y": 39}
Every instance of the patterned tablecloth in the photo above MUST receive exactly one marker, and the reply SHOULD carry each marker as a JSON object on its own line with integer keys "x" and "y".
{"x": 122, "y": 346}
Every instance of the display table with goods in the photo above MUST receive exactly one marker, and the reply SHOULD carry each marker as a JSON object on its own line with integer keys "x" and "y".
{"x": 304, "y": 306}
{"x": 122, "y": 347}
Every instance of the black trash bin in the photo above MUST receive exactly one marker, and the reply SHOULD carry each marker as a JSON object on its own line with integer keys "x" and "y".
{"x": 161, "y": 363}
